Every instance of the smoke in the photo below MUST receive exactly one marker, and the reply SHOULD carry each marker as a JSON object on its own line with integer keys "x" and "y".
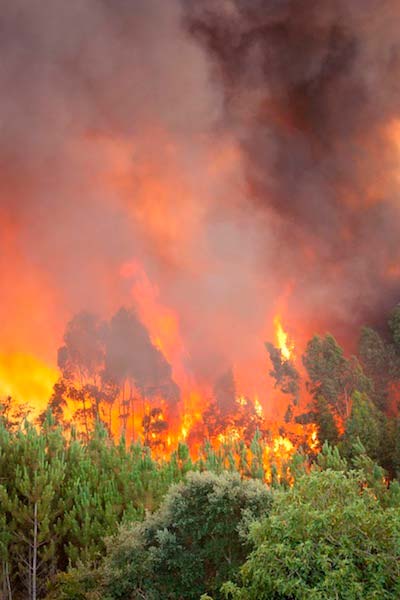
{"x": 311, "y": 91}
{"x": 245, "y": 153}
{"x": 129, "y": 353}
{"x": 98, "y": 97}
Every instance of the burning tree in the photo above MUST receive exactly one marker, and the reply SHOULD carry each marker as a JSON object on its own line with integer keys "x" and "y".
{"x": 81, "y": 361}
{"x": 138, "y": 368}
{"x": 113, "y": 373}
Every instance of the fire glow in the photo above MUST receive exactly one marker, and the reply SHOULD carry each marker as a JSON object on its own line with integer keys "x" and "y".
{"x": 154, "y": 420}
{"x": 204, "y": 179}
{"x": 282, "y": 341}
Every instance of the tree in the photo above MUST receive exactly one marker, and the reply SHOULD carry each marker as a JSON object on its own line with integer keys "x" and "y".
{"x": 286, "y": 376}
{"x": 324, "y": 419}
{"x": 328, "y": 536}
{"x": 102, "y": 362}
{"x": 378, "y": 360}
{"x": 130, "y": 354}
{"x": 394, "y": 326}
{"x": 6, "y": 530}
{"x": 13, "y": 413}
{"x": 154, "y": 428}
{"x": 30, "y": 502}
{"x": 225, "y": 393}
{"x": 191, "y": 545}
{"x": 81, "y": 361}
{"x": 332, "y": 375}
{"x": 365, "y": 424}
{"x": 61, "y": 497}
{"x": 139, "y": 370}
{"x": 229, "y": 415}
{"x": 222, "y": 410}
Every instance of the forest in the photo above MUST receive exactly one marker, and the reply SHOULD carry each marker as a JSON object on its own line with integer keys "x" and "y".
{"x": 87, "y": 515}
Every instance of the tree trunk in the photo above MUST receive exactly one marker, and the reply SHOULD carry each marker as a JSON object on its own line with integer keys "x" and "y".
{"x": 30, "y": 571}
{"x": 7, "y": 592}
{"x": 35, "y": 549}
{"x": 85, "y": 416}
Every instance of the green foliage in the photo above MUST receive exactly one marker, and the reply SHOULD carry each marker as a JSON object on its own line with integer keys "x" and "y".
{"x": 60, "y": 498}
{"x": 191, "y": 544}
{"x": 332, "y": 376}
{"x": 33, "y": 470}
{"x": 396, "y": 449}
{"x": 333, "y": 531}
{"x": 329, "y": 458}
{"x": 324, "y": 420}
{"x": 327, "y": 537}
{"x": 79, "y": 583}
{"x": 394, "y": 326}
{"x": 379, "y": 362}
{"x": 365, "y": 424}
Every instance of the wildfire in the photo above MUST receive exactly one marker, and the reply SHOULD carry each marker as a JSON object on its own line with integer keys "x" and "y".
{"x": 197, "y": 416}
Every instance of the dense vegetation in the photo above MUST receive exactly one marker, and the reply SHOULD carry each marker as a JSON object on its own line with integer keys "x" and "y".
{"x": 334, "y": 534}
{"x": 193, "y": 543}
{"x": 84, "y": 517}
{"x": 86, "y": 521}
{"x": 62, "y": 496}
{"x": 349, "y": 397}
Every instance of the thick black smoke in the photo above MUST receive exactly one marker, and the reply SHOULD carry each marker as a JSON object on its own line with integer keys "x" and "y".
{"x": 312, "y": 92}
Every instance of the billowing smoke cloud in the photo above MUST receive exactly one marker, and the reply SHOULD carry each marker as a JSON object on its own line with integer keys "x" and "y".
{"x": 311, "y": 91}
{"x": 98, "y": 98}
{"x": 114, "y": 148}
{"x": 242, "y": 152}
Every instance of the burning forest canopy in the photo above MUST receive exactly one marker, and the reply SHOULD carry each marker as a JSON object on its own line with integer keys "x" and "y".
{"x": 183, "y": 182}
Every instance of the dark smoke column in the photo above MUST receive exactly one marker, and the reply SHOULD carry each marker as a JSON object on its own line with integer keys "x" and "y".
{"x": 311, "y": 92}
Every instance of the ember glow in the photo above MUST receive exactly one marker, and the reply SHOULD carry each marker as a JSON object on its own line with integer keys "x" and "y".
{"x": 193, "y": 175}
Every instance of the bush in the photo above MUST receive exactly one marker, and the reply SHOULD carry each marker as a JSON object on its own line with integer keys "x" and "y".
{"x": 194, "y": 542}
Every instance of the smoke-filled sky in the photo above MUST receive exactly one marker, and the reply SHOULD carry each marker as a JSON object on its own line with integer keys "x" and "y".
{"x": 236, "y": 158}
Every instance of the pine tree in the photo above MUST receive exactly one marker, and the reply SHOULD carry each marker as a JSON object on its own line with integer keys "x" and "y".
{"x": 31, "y": 505}
{"x": 364, "y": 424}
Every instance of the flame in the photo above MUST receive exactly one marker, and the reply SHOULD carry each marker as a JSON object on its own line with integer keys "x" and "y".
{"x": 147, "y": 206}
{"x": 161, "y": 321}
{"x": 282, "y": 339}
{"x": 26, "y": 379}
{"x": 258, "y": 408}
{"x": 314, "y": 442}
{"x": 29, "y": 379}
{"x": 161, "y": 426}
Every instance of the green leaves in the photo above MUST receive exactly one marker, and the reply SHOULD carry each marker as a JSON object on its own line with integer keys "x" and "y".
{"x": 192, "y": 544}
{"x": 329, "y": 536}
{"x": 332, "y": 375}
{"x": 61, "y": 498}
{"x": 33, "y": 471}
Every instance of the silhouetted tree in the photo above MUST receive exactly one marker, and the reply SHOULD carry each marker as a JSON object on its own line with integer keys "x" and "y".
{"x": 285, "y": 374}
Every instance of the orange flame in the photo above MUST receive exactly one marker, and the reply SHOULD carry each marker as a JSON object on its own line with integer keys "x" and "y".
{"x": 26, "y": 379}
{"x": 282, "y": 339}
